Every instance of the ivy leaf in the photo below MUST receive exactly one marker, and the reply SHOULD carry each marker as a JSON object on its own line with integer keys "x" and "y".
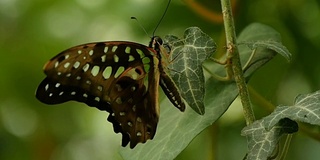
{"x": 306, "y": 109}
{"x": 176, "y": 129}
{"x": 188, "y": 55}
{"x": 263, "y": 135}
{"x": 264, "y": 41}
{"x": 262, "y": 142}
{"x": 270, "y": 44}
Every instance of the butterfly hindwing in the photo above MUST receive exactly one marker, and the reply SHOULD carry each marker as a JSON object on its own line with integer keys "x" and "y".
{"x": 50, "y": 93}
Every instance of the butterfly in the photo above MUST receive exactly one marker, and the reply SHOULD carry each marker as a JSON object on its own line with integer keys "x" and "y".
{"x": 119, "y": 77}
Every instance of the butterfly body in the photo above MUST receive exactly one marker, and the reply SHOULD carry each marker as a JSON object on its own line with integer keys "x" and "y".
{"x": 119, "y": 77}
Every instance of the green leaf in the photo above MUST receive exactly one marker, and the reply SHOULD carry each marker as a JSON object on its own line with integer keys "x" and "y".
{"x": 264, "y": 41}
{"x": 257, "y": 33}
{"x": 188, "y": 55}
{"x": 254, "y": 32}
{"x": 306, "y": 109}
{"x": 263, "y": 135}
{"x": 176, "y": 129}
{"x": 262, "y": 142}
{"x": 270, "y": 44}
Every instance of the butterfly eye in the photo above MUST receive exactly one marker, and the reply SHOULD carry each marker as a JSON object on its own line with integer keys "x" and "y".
{"x": 158, "y": 40}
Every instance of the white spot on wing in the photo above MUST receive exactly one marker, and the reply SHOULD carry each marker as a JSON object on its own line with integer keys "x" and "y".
{"x": 115, "y": 58}
{"x": 131, "y": 58}
{"x": 134, "y": 108}
{"x": 99, "y": 88}
{"x": 119, "y": 100}
{"x": 57, "y": 85}
{"x": 85, "y": 67}
{"x": 66, "y": 65}
{"x": 76, "y": 64}
{"x": 119, "y": 72}
{"x": 103, "y": 58}
{"x": 91, "y": 52}
{"x": 127, "y": 50}
{"x": 114, "y": 48}
{"x": 107, "y": 72}
{"x": 106, "y": 49}
{"x": 95, "y": 70}
{"x": 56, "y": 64}
{"x": 46, "y": 87}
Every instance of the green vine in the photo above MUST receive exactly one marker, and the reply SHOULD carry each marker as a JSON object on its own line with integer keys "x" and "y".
{"x": 234, "y": 61}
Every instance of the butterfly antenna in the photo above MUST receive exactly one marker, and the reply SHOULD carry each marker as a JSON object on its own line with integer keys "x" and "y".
{"x": 162, "y": 17}
{"x": 134, "y": 18}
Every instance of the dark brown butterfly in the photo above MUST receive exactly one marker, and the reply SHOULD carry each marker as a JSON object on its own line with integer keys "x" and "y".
{"x": 117, "y": 76}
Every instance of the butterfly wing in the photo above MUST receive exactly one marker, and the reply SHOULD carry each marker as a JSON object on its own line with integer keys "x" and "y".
{"x": 166, "y": 82}
{"x": 119, "y": 77}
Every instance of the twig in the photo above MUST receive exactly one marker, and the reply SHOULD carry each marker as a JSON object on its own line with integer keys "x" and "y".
{"x": 233, "y": 54}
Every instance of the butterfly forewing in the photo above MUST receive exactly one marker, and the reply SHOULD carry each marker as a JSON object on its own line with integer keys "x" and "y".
{"x": 119, "y": 77}
{"x": 167, "y": 84}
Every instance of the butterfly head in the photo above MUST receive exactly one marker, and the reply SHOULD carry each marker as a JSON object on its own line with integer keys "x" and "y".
{"x": 155, "y": 43}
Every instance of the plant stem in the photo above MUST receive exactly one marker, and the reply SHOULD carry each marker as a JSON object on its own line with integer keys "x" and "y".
{"x": 233, "y": 55}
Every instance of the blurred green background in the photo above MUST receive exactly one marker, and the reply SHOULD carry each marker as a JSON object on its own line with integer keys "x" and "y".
{"x": 33, "y": 31}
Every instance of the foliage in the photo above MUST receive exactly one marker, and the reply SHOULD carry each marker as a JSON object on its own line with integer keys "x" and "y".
{"x": 219, "y": 96}
{"x": 264, "y": 134}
